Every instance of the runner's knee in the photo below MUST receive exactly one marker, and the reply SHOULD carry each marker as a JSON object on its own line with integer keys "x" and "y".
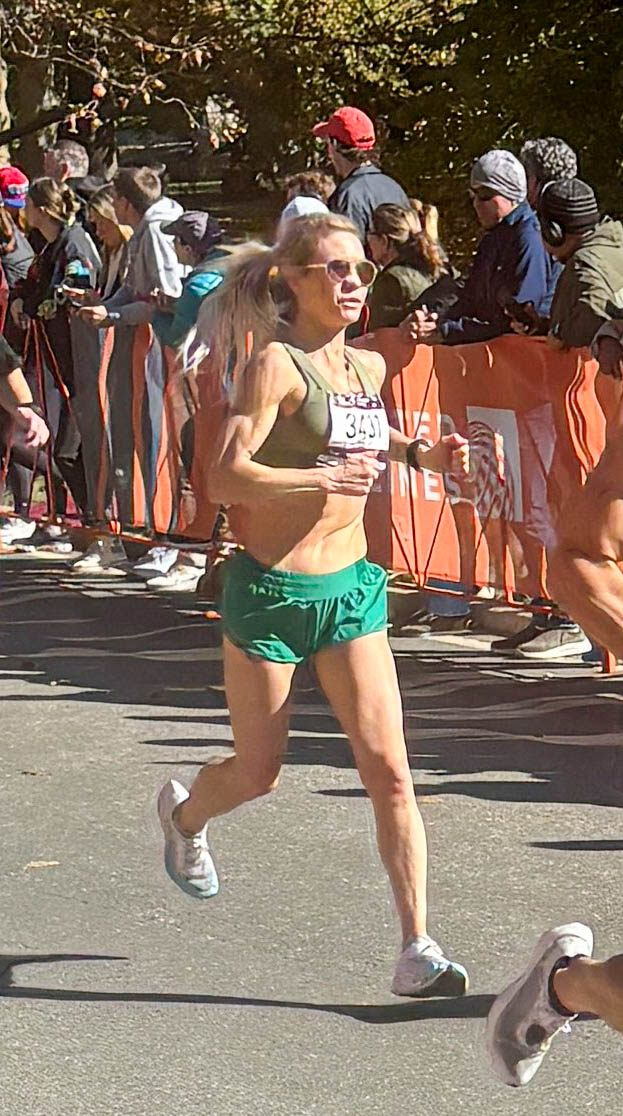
{"x": 385, "y": 777}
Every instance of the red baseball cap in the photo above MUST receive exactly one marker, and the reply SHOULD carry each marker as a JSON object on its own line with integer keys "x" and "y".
{"x": 350, "y": 127}
{"x": 13, "y": 187}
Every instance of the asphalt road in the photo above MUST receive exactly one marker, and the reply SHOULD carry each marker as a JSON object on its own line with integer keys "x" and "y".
{"x": 118, "y": 995}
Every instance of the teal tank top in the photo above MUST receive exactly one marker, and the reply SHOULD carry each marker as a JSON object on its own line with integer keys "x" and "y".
{"x": 296, "y": 441}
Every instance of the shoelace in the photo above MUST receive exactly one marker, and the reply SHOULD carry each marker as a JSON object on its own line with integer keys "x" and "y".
{"x": 193, "y": 848}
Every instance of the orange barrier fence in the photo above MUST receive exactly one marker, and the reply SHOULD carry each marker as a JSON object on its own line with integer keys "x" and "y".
{"x": 535, "y": 428}
{"x": 532, "y": 417}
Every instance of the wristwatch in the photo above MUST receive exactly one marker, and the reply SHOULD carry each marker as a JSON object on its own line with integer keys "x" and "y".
{"x": 412, "y": 451}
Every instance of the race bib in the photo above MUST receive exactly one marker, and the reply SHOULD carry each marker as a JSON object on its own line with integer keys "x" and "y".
{"x": 358, "y": 422}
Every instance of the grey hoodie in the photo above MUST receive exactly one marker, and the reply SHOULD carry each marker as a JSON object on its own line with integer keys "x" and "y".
{"x": 590, "y": 289}
{"x": 152, "y": 263}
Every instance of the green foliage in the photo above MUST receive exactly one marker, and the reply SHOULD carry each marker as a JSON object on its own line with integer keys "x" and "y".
{"x": 446, "y": 79}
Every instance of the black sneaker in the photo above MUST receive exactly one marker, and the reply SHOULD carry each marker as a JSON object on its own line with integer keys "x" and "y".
{"x": 546, "y": 637}
{"x": 555, "y": 643}
{"x": 534, "y": 628}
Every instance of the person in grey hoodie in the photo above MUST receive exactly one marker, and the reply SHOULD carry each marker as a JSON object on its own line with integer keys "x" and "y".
{"x": 152, "y": 260}
{"x": 152, "y": 265}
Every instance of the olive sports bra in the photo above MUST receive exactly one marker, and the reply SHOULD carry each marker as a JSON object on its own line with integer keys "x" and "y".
{"x": 326, "y": 420}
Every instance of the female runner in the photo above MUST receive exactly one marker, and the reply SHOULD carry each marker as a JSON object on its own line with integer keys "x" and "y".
{"x": 298, "y": 455}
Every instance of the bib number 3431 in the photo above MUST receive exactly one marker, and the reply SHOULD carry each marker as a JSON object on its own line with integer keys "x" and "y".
{"x": 358, "y": 422}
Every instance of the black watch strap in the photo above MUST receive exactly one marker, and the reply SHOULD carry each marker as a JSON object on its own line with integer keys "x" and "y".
{"x": 411, "y": 453}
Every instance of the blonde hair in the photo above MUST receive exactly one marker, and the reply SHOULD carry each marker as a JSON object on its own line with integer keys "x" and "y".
{"x": 102, "y": 203}
{"x": 403, "y": 229}
{"x": 429, "y": 217}
{"x": 56, "y": 199}
{"x": 254, "y": 297}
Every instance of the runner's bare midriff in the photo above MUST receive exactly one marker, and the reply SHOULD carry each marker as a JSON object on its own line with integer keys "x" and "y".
{"x": 310, "y": 532}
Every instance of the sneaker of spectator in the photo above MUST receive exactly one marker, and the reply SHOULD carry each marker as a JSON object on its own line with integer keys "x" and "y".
{"x": 546, "y": 637}
{"x": 350, "y": 140}
{"x": 105, "y": 556}
{"x": 183, "y": 577}
{"x": 16, "y": 529}
{"x": 155, "y": 563}
{"x": 49, "y": 537}
{"x": 548, "y": 159}
{"x": 510, "y": 267}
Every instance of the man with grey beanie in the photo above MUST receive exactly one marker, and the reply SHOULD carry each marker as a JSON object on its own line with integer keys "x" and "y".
{"x": 510, "y": 267}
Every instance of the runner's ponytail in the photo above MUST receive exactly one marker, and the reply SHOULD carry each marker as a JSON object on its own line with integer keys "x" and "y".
{"x": 254, "y": 297}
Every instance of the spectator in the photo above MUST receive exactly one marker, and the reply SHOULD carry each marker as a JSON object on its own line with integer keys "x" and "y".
{"x": 196, "y": 237}
{"x": 351, "y": 140}
{"x": 511, "y": 266}
{"x": 16, "y": 252}
{"x": 113, "y": 237}
{"x": 153, "y": 264}
{"x": 310, "y": 184}
{"x": 590, "y": 289}
{"x": 68, "y": 260}
{"x": 300, "y": 206}
{"x": 13, "y": 188}
{"x": 547, "y": 159}
{"x": 411, "y": 264}
{"x": 67, "y": 161}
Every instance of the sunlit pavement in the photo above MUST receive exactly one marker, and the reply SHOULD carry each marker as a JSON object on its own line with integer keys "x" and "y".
{"x": 122, "y": 996}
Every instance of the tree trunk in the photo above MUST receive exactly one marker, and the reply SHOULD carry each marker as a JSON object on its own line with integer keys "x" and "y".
{"x": 33, "y": 93}
{"x": 5, "y": 116}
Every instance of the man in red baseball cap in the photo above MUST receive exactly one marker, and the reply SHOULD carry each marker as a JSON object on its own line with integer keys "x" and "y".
{"x": 351, "y": 146}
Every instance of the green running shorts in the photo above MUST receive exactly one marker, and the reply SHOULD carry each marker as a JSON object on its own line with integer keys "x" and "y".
{"x": 287, "y": 617}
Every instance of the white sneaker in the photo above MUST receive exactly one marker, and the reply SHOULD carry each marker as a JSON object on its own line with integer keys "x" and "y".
{"x": 423, "y": 971}
{"x": 156, "y": 562}
{"x": 104, "y": 556}
{"x": 181, "y": 578}
{"x": 186, "y": 859}
{"x": 523, "y": 1020}
{"x": 18, "y": 528}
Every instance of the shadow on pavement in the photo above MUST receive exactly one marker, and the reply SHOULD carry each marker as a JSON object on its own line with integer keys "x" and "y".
{"x": 604, "y": 845}
{"x": 468, "y": 1007}
{"x": 466, "y": 712}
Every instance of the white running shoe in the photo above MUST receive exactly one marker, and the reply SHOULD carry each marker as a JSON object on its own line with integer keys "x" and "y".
{"x": 523, "y": 1020}
{"x": 104, "y": 556}
{"x": 186, "y": 859}
{"x": 158, "y": 561}
{"x": 12, "y": 530}
{"x": 181, "y": 578}
{"x": 423, "y": 971}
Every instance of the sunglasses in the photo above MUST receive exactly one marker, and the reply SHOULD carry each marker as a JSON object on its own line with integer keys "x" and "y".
{"x": 481, "y": 193}
{"x": 338, "y": 270}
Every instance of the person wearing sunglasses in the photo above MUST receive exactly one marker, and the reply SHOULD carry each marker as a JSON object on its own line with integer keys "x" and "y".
{"x": 510, "y": 268}
{"x": 306, "y": 438}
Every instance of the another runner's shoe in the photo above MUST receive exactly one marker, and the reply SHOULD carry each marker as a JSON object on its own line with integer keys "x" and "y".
{"x": 523, "y": 1019}
{"x": 186, "y": 859}
{"x": 424, "y": 972}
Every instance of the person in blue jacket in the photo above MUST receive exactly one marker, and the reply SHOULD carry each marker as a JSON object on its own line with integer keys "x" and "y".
{"x": 511, "y": 268}
{"x": 197, "y": 237}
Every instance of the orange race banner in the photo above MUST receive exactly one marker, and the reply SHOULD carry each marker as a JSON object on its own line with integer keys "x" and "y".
{"x": 535, "y": 428}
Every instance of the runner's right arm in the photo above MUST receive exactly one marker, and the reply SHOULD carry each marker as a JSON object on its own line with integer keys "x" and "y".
{"x": 264, "y": 386}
